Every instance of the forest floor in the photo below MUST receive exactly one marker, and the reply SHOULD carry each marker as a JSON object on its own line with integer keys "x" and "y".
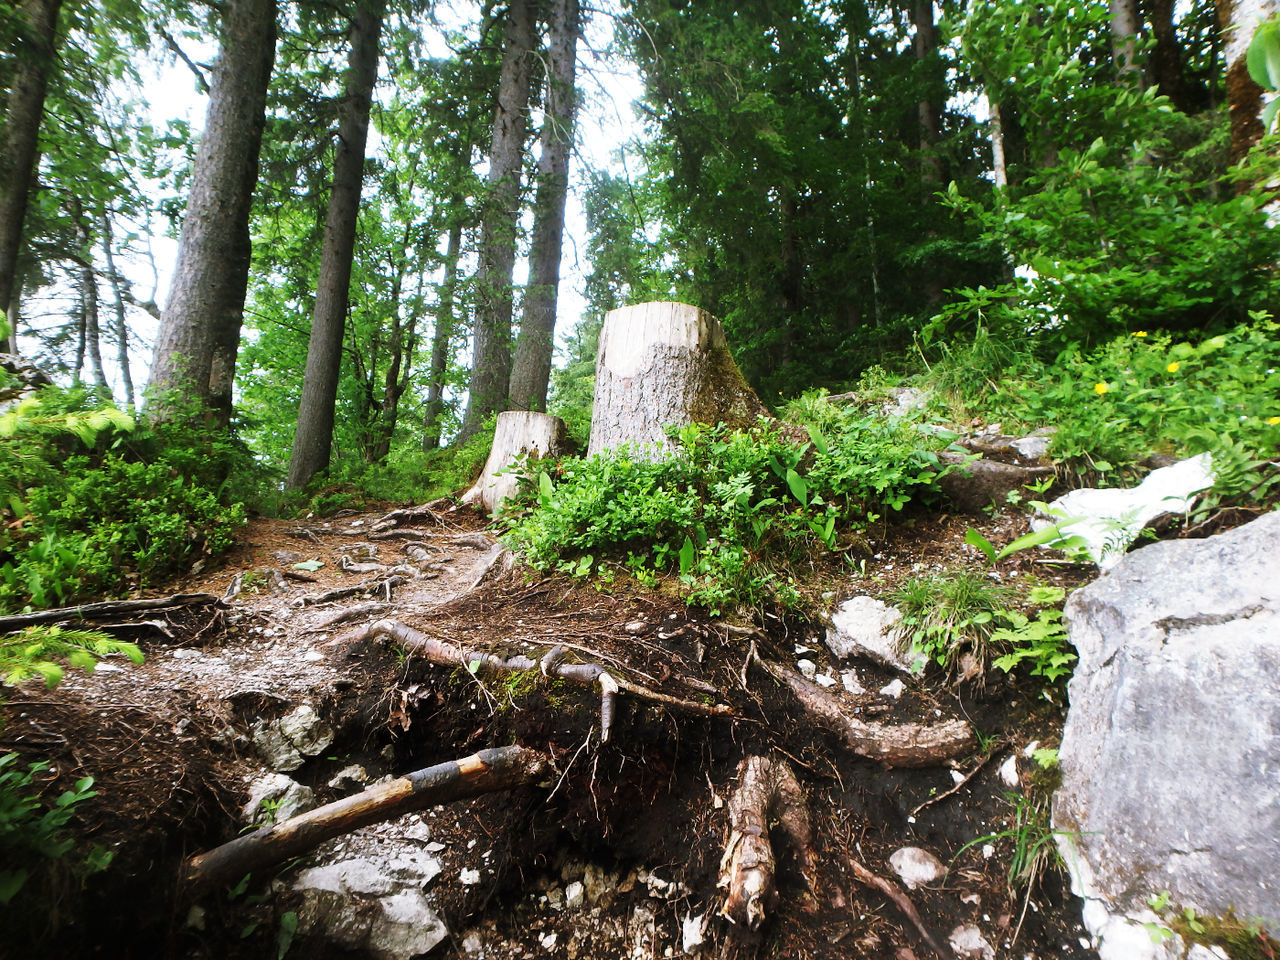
{"x": 639, "y": 822}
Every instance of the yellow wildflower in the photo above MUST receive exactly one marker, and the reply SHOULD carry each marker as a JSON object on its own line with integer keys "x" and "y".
{"x": 1273, "y": 420}
{"x": 1100, "y": 388}
{"x": 1139, "y": 333}
{"x": 1173, "y": 367}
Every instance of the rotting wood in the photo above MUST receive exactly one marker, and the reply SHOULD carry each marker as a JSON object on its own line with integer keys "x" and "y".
{"x": 481, "y": 662}
{"x": 488, "y": 771}
{"x": 894, "y": 744}
{"x": 899, "y": 900}
{"x": 767, "y": 792}
{"x": 107, "y": 608}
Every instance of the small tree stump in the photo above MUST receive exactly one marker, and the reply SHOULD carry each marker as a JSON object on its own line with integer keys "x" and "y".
{"x": 518, "y": 432}
{"x": 663, "y": 364}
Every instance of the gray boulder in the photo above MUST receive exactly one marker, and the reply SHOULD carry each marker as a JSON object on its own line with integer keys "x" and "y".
{"x": 285, "y": 744}
{"x": 1171, "y": 752}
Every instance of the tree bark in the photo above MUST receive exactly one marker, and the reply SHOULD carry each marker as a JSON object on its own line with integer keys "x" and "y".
{"x": 37, "y": 25}
{"x": 1166, "y": 65}
{"x": 502, "y": 768}
{"x": 531, "y": 370}
{"x": 92, "y": 328}
{"x": 1124, "y": 47}
{"x": 518, "y": 432}
{"x": 929, "y": 112}
{"x": 200, "y": 330}
{"x": 1239, "y": 19}
{"x": 663, "y": 364}
{"x": 122, "y": 328}
{"x": 491, "y": 344}
{"x": 313, "y": 439}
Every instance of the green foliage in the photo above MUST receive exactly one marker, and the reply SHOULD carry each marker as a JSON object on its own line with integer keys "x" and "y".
{"x": 95, "y": 505}
{"x": 32, "y": 835}
{"x": 36, "y": 650}
{"x": 1263, "y": 62}
{"x": 733, "y": 514}
{"x": 942, "y": 614}
{"x": 1035, "y": 847}
{"x": 1150, "y": 391}
{"x": 1041, "y": 642}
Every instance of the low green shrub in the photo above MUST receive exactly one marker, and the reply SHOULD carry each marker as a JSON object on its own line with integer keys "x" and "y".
{"x": 733, "y": 514}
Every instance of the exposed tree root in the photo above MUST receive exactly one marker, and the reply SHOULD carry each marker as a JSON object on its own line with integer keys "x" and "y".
{"x": 381, "y": 585}
{"x": 480, "y": 662}
{"x": 485, "y": 772}
{"x": 767, "y": 792}
{"x": 107, "y": 608}
{"x": 897, "y": 745}
{"x": 899, "y": 900}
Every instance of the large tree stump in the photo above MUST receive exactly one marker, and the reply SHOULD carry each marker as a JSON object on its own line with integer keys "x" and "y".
{"x": 518, "y": 432}
{"x": 661, "y": 364}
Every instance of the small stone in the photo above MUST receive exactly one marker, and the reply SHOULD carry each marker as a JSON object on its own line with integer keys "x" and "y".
{"x": 967, "y": 942}
{"x": 472, "y": 944}
{"x": 350, "y": 779}
{"x": 691, "y": 932}
{"x": 915, "y": 866}
{"x": 574, "y": 895}
{"x": 636, "y": 627}
{"x": 547, "y": 940}
{"x": 893, "y": 689}
{"x": 1009, "y": 773}
{"x": 849, "y": 680}
{"x": 284, "y": 798}
{"x": 807, "y": 667}
{"x": 469, "y": 877}
{"x": 184, "y": 654}
{"x": 825, "y": 680}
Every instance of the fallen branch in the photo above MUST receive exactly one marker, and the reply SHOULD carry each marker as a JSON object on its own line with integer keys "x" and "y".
{"x": 767, "y": 793}
{"x": 899, "y": 900}
{"x": 485, "y": 772}
{"x": 372, "y": 609}
{"x": 895, "y": 744}
{"x": 481, "y": 662}
{"x": 107, "y": 608}
{"x": 937, "y": 798}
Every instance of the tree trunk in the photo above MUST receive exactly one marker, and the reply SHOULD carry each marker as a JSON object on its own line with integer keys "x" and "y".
{"x": 89, "y": 295}
{"x": 1239, "y": 19}
{"x": 200, "y": 331}
{"x": 928, "y": 109}
{"x": 1124, "y": 47}
{"x": 13, "y": 312}
{"x": 1166, "y": 65}
{"x": 313, "y": 440}
{"x": 518, "y": 432}
{"x": 36, "y": 22}
{"x": 662, "y": 364}
{"x": 532, "y": 367}
{"x": 122, "y": 328}
{"x": 441, "y": 340}
{"x": 491, "y": 344}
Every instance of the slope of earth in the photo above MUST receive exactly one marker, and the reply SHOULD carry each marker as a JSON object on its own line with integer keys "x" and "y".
{"x": 618, "y": 852}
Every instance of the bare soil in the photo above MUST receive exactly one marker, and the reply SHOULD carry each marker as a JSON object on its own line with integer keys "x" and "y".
{"x": 642, "y": 818}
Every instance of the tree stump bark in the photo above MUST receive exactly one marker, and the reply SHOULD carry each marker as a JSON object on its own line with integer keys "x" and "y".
{"x": 663, "y": 364}
{"x": 518, "y": 432}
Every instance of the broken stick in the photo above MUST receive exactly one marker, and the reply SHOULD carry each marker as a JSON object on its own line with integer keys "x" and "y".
{"x": 485, "y": 772}
{"x": 107, "y": 608}
{"x": 899, "y": 900}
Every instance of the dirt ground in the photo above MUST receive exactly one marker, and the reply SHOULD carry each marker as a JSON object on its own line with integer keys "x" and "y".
{"x": 643, "y": 818}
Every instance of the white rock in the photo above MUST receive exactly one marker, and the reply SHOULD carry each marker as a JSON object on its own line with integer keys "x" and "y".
{"x": 351, "y": 779}
{"x": 1033, "y": 447}
{"x": 692, "y": 930}
{"x": 547, "y": 940}
{"x": 849, "y": 680}
{"x": 472, "y": 944}
{"x": 893, "y": 689}
{"x": 184, "y": 654}
{"x": 807, "y": 667}
{"x": 293, "y": 798}
{"x": 469, "y": 877}
{"x": 867, "y": 627}
{"x": 825, "y": 680}
{"x": 967, "y": 942}
{"x": 1009, "y": 773}
{"x": 915, "y": 866}
{"x": 1103, "y": 523}
{"x": 574, "y": 895}
{"x": 286, "y": 743}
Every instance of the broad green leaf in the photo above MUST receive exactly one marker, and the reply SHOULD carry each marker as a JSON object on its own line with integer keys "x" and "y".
{"x": 687, "y": 554}
{"x": 976, "y": 539}
{"x": 311, "y": 565}
{"x": 796, "y": 484}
